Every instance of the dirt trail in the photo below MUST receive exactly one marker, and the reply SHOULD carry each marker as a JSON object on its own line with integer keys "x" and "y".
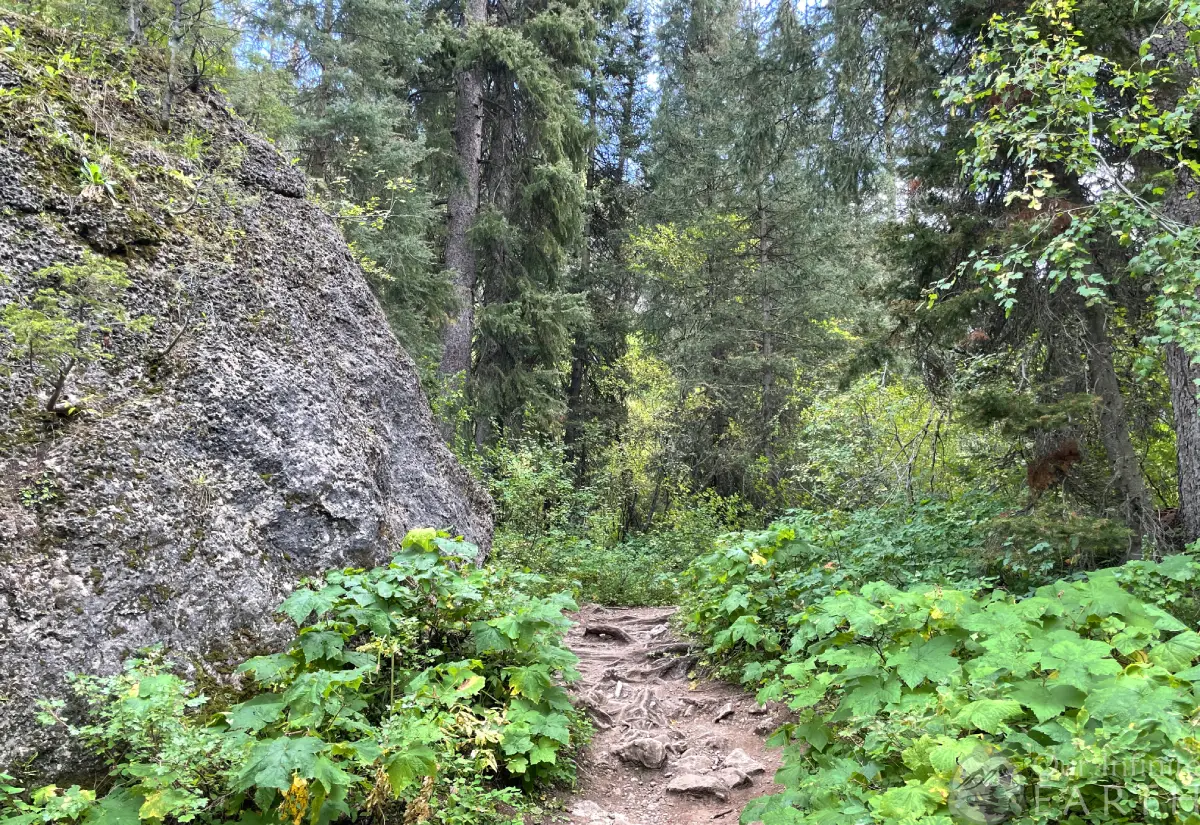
{"x": 667, "y": 750}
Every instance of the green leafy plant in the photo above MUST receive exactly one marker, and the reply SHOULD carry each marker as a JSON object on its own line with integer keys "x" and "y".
{"x": 428, "y": 684}
{"x": 740, "y": 596}
{"x": 95, "y": 180}
{"x": 41, "y": 491}
{"x": 1084, "y": 691}
{"x": 1048, "y": 103}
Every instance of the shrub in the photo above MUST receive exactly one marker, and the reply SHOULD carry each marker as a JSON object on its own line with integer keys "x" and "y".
{"x": 741, "y": 594}
{"x": 1082, "y": 690}
{"x": 1073, "y": 704}
{"x": 642, "y": 569}
{"x": 426, "y": 685}
{"x": 1024, "y": 551}
{"x": 578, "y": 538}
{"x": 59, "y": 327}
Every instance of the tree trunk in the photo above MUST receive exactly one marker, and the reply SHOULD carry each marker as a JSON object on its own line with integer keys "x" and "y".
{"x": 767, "y": 410}
{"x": 576, "y": 450}
{"x": 1184, "y": 375}
{"x": 134, "y": 24}
{"x": 174, "y": 44}
{"x": 493, "y": 358}
{"x": 1114, "y": 431}
{"x": 463, "y": 206}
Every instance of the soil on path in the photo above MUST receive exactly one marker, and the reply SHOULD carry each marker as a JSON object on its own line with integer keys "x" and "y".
{"x": 668, "y": 750}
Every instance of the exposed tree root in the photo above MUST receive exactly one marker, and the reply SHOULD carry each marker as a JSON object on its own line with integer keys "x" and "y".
{"x": 607, "y": 630}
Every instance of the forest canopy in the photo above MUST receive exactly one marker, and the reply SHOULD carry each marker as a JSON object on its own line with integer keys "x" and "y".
{"x": 671, "y": 269}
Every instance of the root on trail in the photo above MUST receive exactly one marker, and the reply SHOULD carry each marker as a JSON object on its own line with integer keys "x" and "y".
{"x": 669, "y": 748}
{"x": 676, "y": 668}
{"x": 607, "y": 630}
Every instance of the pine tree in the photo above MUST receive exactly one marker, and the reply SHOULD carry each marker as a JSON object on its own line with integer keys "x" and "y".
{"x": 618, "y": 104}
{"x": 463, "y": 206}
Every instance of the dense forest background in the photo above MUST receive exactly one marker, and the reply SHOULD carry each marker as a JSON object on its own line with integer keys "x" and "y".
{"x": 678, "y": 268}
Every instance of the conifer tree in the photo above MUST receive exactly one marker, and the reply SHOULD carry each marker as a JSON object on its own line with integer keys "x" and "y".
{"x": 618, "y": 105}
{"x": 353, "y": 67}
{"x": 463, "y": 206}
{"x": 535, "y": 151}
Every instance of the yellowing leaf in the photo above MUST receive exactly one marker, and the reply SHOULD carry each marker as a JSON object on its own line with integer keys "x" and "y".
{"x": 472, "y": 685}
{"x": 161, "y": 804}
{"x": 295, "y": 801}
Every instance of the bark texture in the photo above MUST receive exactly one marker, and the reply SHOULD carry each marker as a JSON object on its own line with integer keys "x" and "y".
{"x": 1184, "y": 375}
{"x": 1114, "y": 431}
{"x": 464, "y": 205}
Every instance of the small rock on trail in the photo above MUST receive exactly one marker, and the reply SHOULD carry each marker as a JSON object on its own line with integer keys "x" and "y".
{"x": 667, "y": 750}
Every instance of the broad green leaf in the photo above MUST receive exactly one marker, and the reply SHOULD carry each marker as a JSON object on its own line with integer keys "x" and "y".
{"x": 320, "y": 645}
{"x": 554, "y": 726}
{"x": 1075, "y": 660}
{"x": 747, "y": 629}
{"x": 423, "y": 538}
{"x": 988, "y": 714}
{"x": 947, "y": 754}
{"x": 258, "y": 713}
{"x": 272, "y": 762}
{"x": 530, "y": 682}
{"x": 909, "y": 802}
{"x": 1046, "y": 699}
{"x": 488, "y": 639}
{"x": 925, "y": 659}
{"x": 330, "y": 774}
{"x": 1178, "y": 652}
{"x": 407, "y": 765}
{"x": 543, "y": 754}
{"x": 736, "y": 600}
{"x": 119, "y": 807}
{"x": 305, "y": 601}
{"x": 815, "y": 733}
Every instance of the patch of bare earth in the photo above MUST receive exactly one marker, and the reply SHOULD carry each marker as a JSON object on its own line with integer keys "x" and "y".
{"x": 668, "y": 750}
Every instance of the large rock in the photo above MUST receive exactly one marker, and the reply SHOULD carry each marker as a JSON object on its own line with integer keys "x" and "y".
{"x": 741, "y": 761}
{"x": 284, "y": 432}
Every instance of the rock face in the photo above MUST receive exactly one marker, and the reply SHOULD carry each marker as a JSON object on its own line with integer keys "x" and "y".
{"x": 266, "y": 428}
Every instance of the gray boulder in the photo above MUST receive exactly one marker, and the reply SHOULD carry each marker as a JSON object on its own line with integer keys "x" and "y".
{"x": 267, "y": 428}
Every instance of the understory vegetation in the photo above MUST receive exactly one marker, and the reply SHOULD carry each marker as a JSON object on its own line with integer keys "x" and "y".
{"x": 1075, "y": 699}
{"x": 428, "y": 690}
